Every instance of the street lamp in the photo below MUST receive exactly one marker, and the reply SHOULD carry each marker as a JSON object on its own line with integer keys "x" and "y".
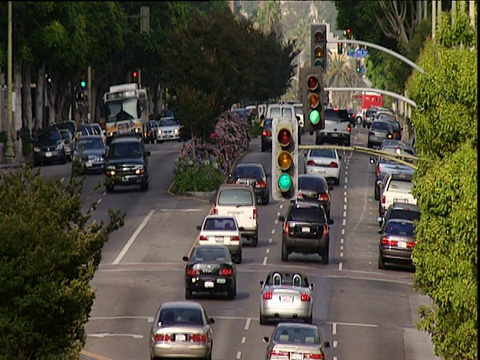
{"x": 8, "y": 154}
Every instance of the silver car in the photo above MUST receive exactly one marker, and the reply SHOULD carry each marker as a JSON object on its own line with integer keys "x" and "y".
{"x": 181, "y": 330}
{"x": 295, "y": 341}
{"x": 168, "y": 129}
{"x": 286, "y": 295}
{"x": 90, "y": 150}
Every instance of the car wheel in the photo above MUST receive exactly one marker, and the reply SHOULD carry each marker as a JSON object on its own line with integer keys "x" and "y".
{"x": 325, "y": 254}
{"x": 255, "y": 241}
{"x": 309, "y": 320}
{"x": 381, "y": 263}
{"x": 188, "y": 294}
{"x": 284, "y": 252}
{"x": 266, "y": 200}
{"x": 232, "y": 293}
{"x": 336, "y": 181}
{"x": 263, "y": 320}
{"x": 263, "y": 148}
{"x": 109, "y": 188}
{"x": 144, "y": 186}
{"x": 377, "y": 193}
{"x": 237, "y": 259}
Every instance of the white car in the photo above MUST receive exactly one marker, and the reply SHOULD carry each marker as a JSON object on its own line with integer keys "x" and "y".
{"x": 168, "y": 129}
{"x": 222, "y": 230}
{"x": 324, "y": 162}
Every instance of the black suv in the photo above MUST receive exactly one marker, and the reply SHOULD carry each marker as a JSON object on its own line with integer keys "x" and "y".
{"x": 48, "y": 147}
{"x": 126, "y": 163}
{"x": 306, "y": 230}
{"x": 401, "y": 211}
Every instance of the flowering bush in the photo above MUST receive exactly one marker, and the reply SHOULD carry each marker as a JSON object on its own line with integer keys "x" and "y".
{"x": 202, "y": 166}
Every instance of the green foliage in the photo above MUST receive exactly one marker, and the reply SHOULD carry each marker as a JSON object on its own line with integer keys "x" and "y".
{"x": 49, "y": 251}
{"x": 197, "y": 178}
{"x": 460, "y": 33}
{"x": 445, "y": 185}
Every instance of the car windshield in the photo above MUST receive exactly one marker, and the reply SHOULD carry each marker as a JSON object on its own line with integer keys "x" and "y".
{"x": 219, "y": 224}
{"x": 268, "y": 123}
{"x": 401, "y": 228}
{"x": 183, "y": 316}
{"x": 168, "y": 122}
{"x": 295, "y": 335}
{"x": 328, "y": 153}
{"x": 125, "y": 150}
{"x": 311, "y": 183}
{"x": 211, "y": 254}
{"x": 90, "y": 144}
{"x": 48, "y": 136}
{"x": 249, "y": 172}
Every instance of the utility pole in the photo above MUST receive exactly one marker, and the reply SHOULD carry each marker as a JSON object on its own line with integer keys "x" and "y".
{"x": 89, "y": 81}
{"x": 9, "y": 155}
{"x": 434, "y": 22}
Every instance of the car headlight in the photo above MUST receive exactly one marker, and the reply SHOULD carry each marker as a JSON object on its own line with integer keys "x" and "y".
{"x": 36, "y": 149}
{"x": 139, "y": 169}
{"x": 177, "y": 131}
{"x": 159, "y": 132}
{"x": 59, "y": 147}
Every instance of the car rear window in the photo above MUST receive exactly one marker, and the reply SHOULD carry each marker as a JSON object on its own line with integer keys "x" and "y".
{"x": 400, "y": 185}
{"x": 329, "y": 153}
{"x": 187, "y": 316}
{"x": 401, "y": 228}
{"x": 268, "y": 123}
{"x": 312, "y": 214}
{"x": 309, "y": 183}
{"x": 404, "y": 214}
{"x": 235, "y": 197}
{"x": 249, "y": 172}
{"x": 336, "y": 115}
{"x": 380, "y": 126}
{"x": 219, "y": 224}
{"x": 295, "y": 335}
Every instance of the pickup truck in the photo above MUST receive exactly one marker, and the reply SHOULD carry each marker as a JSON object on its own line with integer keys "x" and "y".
{"x": 337, "y": 128}
{"x": 395, "y": 188}
{"x": 384, "y": 166}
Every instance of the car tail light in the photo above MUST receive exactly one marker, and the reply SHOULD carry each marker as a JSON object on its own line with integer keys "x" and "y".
{"x": 333, "y": 164}
{"x": 299, "y": 195}
{"x": 313, "y": 356}
{"x": 234, "y": 238}
{"x": 266, "y": 133}
{"x": 198, "y": 338}
{"x": 255, "y": 214}
{"x": 279, "y": 355}
{"x": 310, "y": 163}
{"x": 193, "y": 272}
{"x": 203, "y": 238}
{"x": 215, "y": 211}
{"x": 260, "y": 184}
{"x": 383, "y": 199}
{"x": 323, "y": 197}
{"x": 268, "y": 295}
{"x": 378, "y": 170}
{"x": 371, "y": 133}
{"x": 286, "y": 228}
{"x": 163, "y": 337}
{"x": 349, "y": 128}
{"x": 385, "y": 240}
{"x": 226, "y": 271}
{"x": 305, "y": 297}
{"x": 411, "y": 244}
{"x": 389, "y": 136}
{"x": 325, "y": 230}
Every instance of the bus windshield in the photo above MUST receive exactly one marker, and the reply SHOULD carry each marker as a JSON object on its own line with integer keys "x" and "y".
{"x": 124, "y": 109}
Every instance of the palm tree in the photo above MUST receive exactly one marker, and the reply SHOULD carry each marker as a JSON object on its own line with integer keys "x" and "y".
{"x": 341, "y": 74}
{"x": 269, "y": 17}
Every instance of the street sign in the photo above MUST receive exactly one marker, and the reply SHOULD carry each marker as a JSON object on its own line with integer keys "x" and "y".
{"x": 359, "y": 53}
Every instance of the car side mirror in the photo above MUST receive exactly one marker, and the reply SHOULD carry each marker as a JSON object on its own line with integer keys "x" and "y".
{"x": 147, "y": 153}
{"x": 326, "y": 344}
{"x": 380, "y": 230}
{"x": 312, "y": 285}
{"x": 266, "y": 339}
{"x": 199, "y": 227}
{"x": 281, "y": 218}
{"x": 211, "y": 320}
{"x": 185, "y": 258}
{"x": 241, "y": 229}
{"x": 330, "y": 188}
{"x": 261, "y": 282}
{"x": 330, "y": 222}
{"x": 380, "y": 220}
{"x": 371, "y": 160}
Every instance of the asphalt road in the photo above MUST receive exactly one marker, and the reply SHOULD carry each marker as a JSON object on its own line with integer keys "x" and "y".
{"x": 364, "y": 312}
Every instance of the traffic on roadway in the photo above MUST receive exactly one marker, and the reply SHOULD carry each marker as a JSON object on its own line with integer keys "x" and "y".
{"x": 361, "y": 311}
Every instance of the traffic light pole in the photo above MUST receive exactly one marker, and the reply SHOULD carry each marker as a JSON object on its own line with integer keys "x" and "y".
{"x": 90, "y": 108}
{"x": 8, "y": 154}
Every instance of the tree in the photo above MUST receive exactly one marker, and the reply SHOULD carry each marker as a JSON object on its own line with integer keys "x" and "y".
{"x": 445, "y": 184}
{"x": 50, "y": 251}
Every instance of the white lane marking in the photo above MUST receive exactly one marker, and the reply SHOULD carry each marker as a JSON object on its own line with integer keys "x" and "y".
{"x": 354, "y": 324}
{"x": 344, "y": 206}
{"x": 344, "y": 214}
{"x": 133, "y": 237}
{"x": 102, "y": 335}
{"x": 62, "y": 179}
{"x": 346, "y": 180}
{"x": 342, "y": 240}
{"x": 343, "y": 231}
{"x": 345, "y": 193}
{"x": 281, "y": 206}
{"x": 105, "y": 193}
{"x": 340, "y": 266}
{"x": 346, "y": 172}
{"x": 244, "y": 339}
{"x": 239, "y": 355}
{"x": 341, "y": 254}
{"x": 341, "y": 247}
{"x": 334, "y": 328}
{"x": 99, "y": 201}
{"x": 273, "y": 231}
{"x": 270, "y": 241}
{"x": 267, "y": 251}
{"x": 345, "y": 199}
{"x": 335, "y": 344}
{"x": 265, "y": 260}
{"x": 345, "y": 186}
{"x": 344, "y": 222}
{"x": 247, "y": 323}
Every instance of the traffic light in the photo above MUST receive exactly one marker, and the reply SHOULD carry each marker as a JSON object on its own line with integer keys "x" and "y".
{"x": 135, "y": 76}
{"x": 359, "y": 66}
{"x": 319, "y": 50}
{"x": 312, "y": 98}
{"x": 80, "y": 97}
{"x": 340, "y": 48}
{"x": 83, "y": 79}
{"x": 348, "y": 33}
{"x": 284, "y": 158}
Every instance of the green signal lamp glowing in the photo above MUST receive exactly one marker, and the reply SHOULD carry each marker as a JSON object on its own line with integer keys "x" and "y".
{"x": 83, "y": 83}
{"x": 314, "y": 117}
{"x": 284, "y": 182}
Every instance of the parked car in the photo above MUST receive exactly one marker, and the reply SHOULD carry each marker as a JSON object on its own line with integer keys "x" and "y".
{"x": 48, "y": 147}
{"x": 266, "y": 137}
{"x": 168, "y": 129}
{"x": 252, "y": 174}
{"x": 379, "y": 131}
{"x": 126, "y": 163}
{"x": 210, "y": 269}
{"x": 182, "y": 330}
{"x": 313, "y": 187}
{"x": 286, "y": 295}
{"x": 397, "y": 240}
{"x": 68, "y": 142}
{"x": 240, "y": 201}
{"x": 90, "y": 151}
{"x": 224, "y": 230}
{"x": 305, "y": 230}
{"x": 295, "y": 341}
{"x": 324, "y": 162}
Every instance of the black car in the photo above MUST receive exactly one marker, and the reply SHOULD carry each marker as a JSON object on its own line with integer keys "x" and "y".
{"x": 313, "y": 187}
{"x": 266, "y": 136}
{"x": 126, "y": 163}
{"x": 48, "y": 147}
{"x": 210, "y": 269}
{"x": 252, "y": 174}
{"x": 70, "y": 125}
{"x": 305, "y": 230}
{"x": 400, "y": 210}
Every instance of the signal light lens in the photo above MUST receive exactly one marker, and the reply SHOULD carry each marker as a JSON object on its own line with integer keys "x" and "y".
{"x": 83, "y": 83}
{"x": 312, "y": 83}
{"x": 284, "y": 137}
{"x": 285, "y": 160}
{"x": 318, "y": 62}
{"x": 313, "y": 100}
{"x": 314, "y": 117}
{"x": 284, "y": 182}
{"x": 135, "y": 74}
{"x": 319, "y": 50}
{"x": 319, "y": 36}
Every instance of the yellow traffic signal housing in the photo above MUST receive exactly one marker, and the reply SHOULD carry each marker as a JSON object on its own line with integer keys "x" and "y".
{"x": 319, "y": 51}
{"x": 312, "y": 98}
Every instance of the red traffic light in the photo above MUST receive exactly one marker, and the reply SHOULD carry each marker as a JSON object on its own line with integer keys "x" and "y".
{"x": 135, "y": 74}
{"x": 319, "y": 36}
{"x": 284, "y": 137}
{"x": 312, "y": 83}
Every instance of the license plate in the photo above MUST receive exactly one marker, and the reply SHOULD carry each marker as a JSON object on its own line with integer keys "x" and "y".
{"x": 402, "y": 244}
{"x": 48, "y": 154}
{"x": 180, "y": 337}
{"x": 124, "y": 178}
{"x": 221, "y": 281}
{"x": 296, "y": 356}
{"x": 88, "y": 164}
{"x": 335, "y": 135}
{"x": 209, "y": 284}
{"x": 286, "y": 299}
{"x": 305, "y": 229}
{"x": 219, "y": 239}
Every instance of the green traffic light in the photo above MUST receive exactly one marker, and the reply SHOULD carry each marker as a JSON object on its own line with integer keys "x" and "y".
{"x": 83, "y": 83}
{"x": 314, "y": 117}
{"x": 284, "y": 182}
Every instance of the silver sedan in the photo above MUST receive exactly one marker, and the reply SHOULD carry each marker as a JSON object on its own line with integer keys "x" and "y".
{"x": 181, "y": 330}
{"x": 286, "y": 295}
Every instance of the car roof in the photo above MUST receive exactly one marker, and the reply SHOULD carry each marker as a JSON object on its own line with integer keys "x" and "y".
{"x": 405, "y": 206}
{"x": 297, "y": 325}
{"x": 181, "y": 304}
{"x": 126, "y": 138}
{"x": 235, "y": 186}
{"x": 305, "y": 204}
{"x": 312, "y": 176}
{"x": 220, "y": 217}
{"x": 249, "y": 164}
{"x": 223, "y": 247}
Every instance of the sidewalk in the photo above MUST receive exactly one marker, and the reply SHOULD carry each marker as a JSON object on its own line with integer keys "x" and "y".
{"x": 5, "y": 168}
